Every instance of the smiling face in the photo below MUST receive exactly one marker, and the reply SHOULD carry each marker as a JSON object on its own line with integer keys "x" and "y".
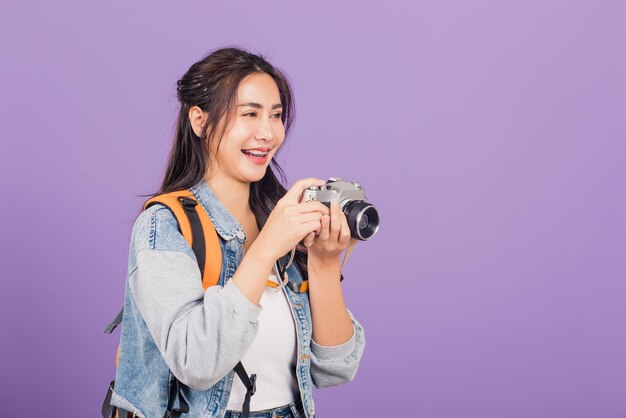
{"x": 254, "y": 134}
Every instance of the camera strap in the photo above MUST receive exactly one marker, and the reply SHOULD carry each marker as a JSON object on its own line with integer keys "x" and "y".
{"x": 282, "y": 272}
{"x": 345, "y": 257}
{"x": 283, "y": 276}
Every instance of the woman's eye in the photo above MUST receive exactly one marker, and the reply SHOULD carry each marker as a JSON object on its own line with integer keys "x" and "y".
{"x": 276, "y": 115}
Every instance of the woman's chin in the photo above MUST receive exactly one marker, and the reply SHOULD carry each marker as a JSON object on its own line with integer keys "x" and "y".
{"x": 253, "y": 172}
{"x": 252, "y": 176}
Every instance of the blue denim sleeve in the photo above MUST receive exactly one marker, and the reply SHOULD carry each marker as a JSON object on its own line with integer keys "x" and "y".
{"x": 201, "y": 334}
{"x": 337, "y": 364}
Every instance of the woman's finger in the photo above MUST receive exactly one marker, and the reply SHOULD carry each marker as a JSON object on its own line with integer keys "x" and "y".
{"x": 344, "y": 233}
{"x": 312, "y": 226}
{"x": 313, "y": 206}
{"x": 324, "y": 231}
{"x": 335, "y": 221}
{"x": 309, "y": 239}
{"x": 308, "y": 217}
{"x": 294, "y": 194}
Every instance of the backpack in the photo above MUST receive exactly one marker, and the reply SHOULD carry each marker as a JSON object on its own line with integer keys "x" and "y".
{"x": 198, "y": 230}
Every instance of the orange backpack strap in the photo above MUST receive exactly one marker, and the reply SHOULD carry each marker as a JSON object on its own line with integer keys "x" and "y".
{"x": 183, "y": 204}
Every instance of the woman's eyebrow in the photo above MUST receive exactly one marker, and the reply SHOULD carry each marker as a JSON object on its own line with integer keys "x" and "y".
{"x": 260, "y": 106}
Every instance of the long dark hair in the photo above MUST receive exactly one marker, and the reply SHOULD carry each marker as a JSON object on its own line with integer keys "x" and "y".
{"x": 212, "y": 84}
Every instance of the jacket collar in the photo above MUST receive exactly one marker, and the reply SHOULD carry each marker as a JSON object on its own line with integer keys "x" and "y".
{"x": 225, "y": 223}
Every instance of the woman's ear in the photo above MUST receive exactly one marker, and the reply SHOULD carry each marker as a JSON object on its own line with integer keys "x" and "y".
{"x": 197, "y": 118}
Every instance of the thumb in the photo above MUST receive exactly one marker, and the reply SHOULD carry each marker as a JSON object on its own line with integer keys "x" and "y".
{"x": 294, "y": 194}
{"x": 308, "y": 240}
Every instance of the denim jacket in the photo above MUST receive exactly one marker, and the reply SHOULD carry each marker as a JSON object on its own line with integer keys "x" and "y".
{"x": 172, "y": 326}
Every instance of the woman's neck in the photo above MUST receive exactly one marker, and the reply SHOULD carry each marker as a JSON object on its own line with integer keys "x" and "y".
{"x": 233, "y": 194}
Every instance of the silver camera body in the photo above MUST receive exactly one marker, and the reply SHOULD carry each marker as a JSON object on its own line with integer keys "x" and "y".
{"x": 363, "y": 218}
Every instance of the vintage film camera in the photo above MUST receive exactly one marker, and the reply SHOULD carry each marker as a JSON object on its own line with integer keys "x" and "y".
{"x": 362, "y": 217}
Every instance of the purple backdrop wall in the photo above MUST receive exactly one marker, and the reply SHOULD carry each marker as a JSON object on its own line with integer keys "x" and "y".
{"x": 489, "y": 133}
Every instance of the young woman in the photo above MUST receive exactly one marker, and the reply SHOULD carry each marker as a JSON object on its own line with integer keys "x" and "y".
{"x": 236, "y": 110}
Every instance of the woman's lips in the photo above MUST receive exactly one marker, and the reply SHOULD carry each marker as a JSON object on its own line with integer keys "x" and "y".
{"x": 256, "y": 160}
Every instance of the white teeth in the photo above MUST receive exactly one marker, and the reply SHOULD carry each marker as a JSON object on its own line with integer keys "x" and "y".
{"x": 255, "y": 153}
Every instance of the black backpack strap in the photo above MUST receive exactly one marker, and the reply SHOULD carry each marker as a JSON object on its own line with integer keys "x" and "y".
{"x": 250, "y": 384}
{"x": 118, "y": 320}
{"x": 108, "y": 410}
{"x": 198, "y": 243}
{"x": 199, "y": 249}
{"x": 176, "y": 388}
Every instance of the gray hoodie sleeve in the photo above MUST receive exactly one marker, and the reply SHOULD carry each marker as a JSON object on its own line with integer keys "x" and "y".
{"x": 201, "y": 334}
{"x": 337, "y": 364}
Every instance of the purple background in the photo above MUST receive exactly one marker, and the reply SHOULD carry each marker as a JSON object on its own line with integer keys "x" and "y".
{"x": 489, "y": 133}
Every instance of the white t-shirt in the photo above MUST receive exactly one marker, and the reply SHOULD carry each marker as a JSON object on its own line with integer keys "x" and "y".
{"x": 272, "y": 356}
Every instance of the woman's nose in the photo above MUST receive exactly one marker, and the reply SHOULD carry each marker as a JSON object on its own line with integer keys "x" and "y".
{"x": 264, "y": 132}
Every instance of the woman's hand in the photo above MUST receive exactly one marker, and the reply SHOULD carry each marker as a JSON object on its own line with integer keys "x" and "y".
{"x": 290, "y": 221}
{"x": 334, "y": 236}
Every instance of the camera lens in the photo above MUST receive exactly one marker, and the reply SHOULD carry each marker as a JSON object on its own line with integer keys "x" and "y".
{"x": 362, "y": 219}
